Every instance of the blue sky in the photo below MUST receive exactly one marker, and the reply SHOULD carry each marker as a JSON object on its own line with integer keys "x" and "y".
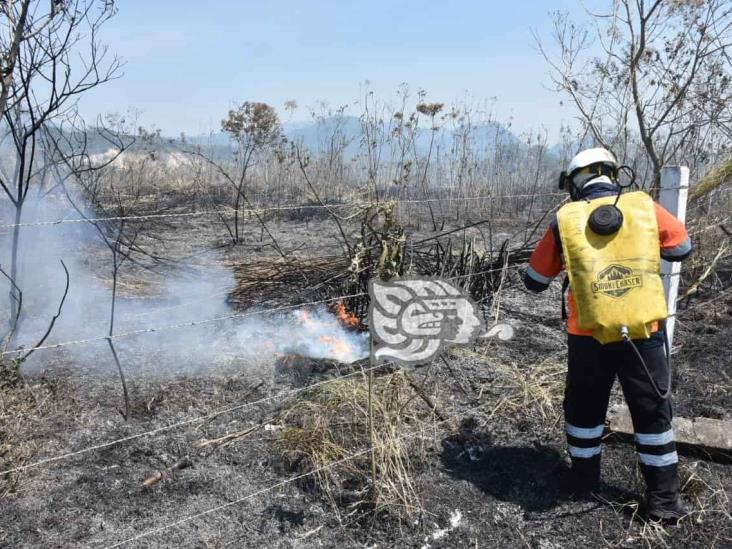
{"x": 187, "y": 63}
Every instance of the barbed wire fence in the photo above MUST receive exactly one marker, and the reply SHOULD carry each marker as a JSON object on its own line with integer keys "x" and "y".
{"x": 183, "y": 423}
{"x": 278, "y": 397}
{"x": 471, "y": 411}
{"x": 175, "y": 327}
{"x": 295, "y": 207}
{"x": 288, "y": 207}
{"x": 194, "y": 323}
{"x": 315, "y": 471}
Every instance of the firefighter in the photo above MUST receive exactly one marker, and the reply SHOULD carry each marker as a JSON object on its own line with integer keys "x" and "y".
{"x": 615, "y": 309}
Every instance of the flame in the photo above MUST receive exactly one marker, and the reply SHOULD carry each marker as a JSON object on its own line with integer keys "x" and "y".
{"x": 339, "y": 348}
{"x": 349, "y": 320}
{"x": 325, "y": 333}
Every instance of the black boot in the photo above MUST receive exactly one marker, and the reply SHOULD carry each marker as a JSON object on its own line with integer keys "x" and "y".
{"x": 662, "y": 494}
{"x": 582, "y": 478}
{"x": 669, "y": 513}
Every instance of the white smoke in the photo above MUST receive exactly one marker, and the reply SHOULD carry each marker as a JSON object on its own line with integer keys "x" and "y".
{"x": 253, "y": 339}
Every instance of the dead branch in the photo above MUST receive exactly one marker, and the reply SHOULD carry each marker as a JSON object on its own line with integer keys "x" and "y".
{"x": 18, "y": 296}
{"x": 694, "y": 288}
{"x": 331, "y": 213}
{"x": 152, "y": 480}
{"x": 229, "y": 439}
{"x": 426, "y": 398}
{"x": 54, "y": 319}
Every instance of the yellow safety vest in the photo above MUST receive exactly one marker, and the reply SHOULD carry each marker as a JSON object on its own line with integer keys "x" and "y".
{"x": 614, "y": 279}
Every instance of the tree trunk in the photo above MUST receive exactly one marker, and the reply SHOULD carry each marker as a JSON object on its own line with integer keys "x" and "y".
{"x": 14, "y": 267}
{"x": 125, "y": 393}
{"x": 237, "y": 203}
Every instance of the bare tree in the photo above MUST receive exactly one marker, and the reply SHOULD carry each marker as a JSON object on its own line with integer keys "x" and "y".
{"x": 113, "y": 192}
{"x": 253, "y": 127}
{"x": 22, "y": 24}
{"x": 49, "y": 56}
{"x": 650, "y": 78}
{"x": 23, "y": 354}
{"x": 121, "y": 239}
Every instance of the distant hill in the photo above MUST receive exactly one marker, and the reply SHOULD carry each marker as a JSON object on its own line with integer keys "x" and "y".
{"x": 314, "y": 136}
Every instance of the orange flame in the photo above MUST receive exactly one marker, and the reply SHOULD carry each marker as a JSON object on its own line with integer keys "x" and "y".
{"x": 349, "y": 320}
{"x": 338, "y": 347}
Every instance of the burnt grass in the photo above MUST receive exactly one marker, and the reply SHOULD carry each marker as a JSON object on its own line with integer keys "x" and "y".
{"x": 488, "y": 477}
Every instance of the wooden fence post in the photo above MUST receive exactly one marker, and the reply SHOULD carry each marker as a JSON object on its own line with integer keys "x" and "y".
{"x": 673, "y": 196}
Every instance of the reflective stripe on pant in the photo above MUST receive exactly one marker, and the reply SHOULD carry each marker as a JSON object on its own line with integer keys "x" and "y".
{"x": 584, "y": 445}
{"x": 656, "y": 450}
{"x": 584, "y": 442}
{"x": 592, "y": 369}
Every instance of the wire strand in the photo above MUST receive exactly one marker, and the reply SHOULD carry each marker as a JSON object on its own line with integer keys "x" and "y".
{"x": 185, "y": 422}
{"x": 231, "y": 211}
{"x": 193, "y": 323}
{"x": 272, "y": 487}
{"x": 180, "y": 325}
{"x": 242, "y": 499}
{"x": 191, "y": 421}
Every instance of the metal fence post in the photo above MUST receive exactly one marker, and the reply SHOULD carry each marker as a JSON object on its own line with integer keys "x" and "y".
{"x": 673, "y": 195}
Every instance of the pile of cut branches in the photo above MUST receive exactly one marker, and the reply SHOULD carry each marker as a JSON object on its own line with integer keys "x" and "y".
{"x": 379, "y": 249}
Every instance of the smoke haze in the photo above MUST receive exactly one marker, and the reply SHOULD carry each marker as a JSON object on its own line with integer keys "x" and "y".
{"x": 253, "y": 340}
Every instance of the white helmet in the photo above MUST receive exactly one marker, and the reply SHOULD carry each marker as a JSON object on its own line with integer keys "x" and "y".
{"x": 598, "y": 155}
{"x": 591, "y": 164}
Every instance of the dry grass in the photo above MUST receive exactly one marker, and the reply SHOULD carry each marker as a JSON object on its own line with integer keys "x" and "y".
{"x": 700, "y": 486}
{"x": 522, "y": 389}
{"x": 16, "y": 404}
{"x": 705, "y": 490}
{"x": 331, "y": 423}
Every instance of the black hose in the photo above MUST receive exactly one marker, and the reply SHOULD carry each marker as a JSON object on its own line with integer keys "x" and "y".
{"x": 657, "y": 390}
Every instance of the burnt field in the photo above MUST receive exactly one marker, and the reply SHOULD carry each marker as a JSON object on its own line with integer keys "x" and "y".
{"x": 187, "y": 263}
{"x": 254, "y": 433}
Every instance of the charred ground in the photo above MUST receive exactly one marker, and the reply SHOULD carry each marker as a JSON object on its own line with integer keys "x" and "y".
{"x": 486, "y": 461}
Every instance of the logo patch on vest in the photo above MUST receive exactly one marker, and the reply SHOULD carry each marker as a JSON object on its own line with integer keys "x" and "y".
{"x": 616, "y": 281}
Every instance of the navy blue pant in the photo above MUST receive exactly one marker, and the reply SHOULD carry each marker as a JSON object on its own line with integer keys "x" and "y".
{"x": 592, "y": 369}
